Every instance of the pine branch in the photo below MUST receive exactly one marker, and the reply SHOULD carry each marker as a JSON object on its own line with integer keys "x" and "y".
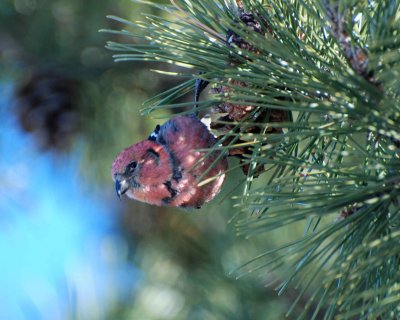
{"x": 330, "y": 160}
{"x": 355, "y": 55}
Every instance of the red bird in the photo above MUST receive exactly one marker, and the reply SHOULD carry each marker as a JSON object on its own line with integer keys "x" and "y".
{"x": 164, "y": 169}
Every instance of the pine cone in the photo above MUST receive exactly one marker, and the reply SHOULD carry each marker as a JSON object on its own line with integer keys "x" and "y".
{"x": 46, "y": 106}
{"x": 254, "y": 25}
{"x": 250, "y": 113}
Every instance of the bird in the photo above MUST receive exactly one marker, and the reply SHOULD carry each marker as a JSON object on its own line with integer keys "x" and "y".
{"x": 166, "y": 168}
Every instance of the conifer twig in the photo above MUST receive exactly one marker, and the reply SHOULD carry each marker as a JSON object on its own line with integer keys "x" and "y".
{"x": 355, "y": 55}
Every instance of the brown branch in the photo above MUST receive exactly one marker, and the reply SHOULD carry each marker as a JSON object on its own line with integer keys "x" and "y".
{"x": 356, "y": 56}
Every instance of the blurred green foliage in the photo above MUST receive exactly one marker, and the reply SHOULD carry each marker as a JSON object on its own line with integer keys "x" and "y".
{"x": 186, "y": 257}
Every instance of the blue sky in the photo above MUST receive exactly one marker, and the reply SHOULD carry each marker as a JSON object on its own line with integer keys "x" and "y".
{"x": 60, "y": 252}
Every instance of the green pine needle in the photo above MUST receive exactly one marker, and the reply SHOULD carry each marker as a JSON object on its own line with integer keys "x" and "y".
{"x": 335, "y": 166}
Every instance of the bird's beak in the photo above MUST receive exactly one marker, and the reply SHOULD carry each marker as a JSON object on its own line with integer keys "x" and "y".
{"x": 121, "y": 187}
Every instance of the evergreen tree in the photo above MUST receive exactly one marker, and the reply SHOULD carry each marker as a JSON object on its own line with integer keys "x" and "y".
{"x": 306, "y": 94}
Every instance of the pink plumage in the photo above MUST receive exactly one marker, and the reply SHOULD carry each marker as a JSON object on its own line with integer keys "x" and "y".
{"x": 165, "y": 168}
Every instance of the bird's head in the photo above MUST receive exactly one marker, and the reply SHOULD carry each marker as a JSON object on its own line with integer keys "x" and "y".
{"x": 141, "y": 165}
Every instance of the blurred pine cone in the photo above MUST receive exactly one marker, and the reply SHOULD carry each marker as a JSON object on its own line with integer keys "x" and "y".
{"x": 47, "y": 107}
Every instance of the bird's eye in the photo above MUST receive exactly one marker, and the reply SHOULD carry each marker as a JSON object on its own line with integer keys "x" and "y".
{"x": 130, "y": 168}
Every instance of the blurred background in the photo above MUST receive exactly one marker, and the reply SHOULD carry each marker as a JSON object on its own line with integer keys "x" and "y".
{"x": 69, "y": 249}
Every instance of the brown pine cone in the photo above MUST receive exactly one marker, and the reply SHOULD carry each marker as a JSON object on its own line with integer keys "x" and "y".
{"x": 46, "y": 106}
{"x": 236, "y": 113}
